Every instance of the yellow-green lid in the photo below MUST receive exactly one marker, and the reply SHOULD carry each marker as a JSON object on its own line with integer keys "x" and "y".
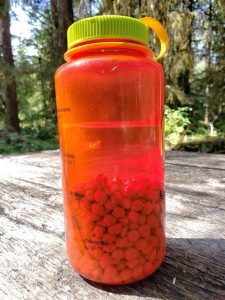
{"x": 106, "y": 27}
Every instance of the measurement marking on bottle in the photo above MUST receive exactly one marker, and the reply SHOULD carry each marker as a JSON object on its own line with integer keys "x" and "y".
{"x": 96, "y": 242}
{"x": 76, "y": 194}
{"x": 70, "y": 158}
{"x": 63, "y": 109}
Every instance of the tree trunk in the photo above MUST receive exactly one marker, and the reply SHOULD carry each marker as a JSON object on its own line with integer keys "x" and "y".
{"x": 106, "y": 7}
{"x": 208, "y": 58}
{"x": 155, "y": 9}
{"x": 61, "y": 19}
{"x": 65, "y": 15}
{"x": 57, "y": 60}
{"x": 122, "y": 7}
{"x": 70, "y": 12}
{"x": 10, "y": 92}
{"x": 179, "y": 63}
{"x": 55, "y": 23}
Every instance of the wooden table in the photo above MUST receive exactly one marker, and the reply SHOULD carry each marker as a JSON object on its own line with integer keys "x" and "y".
{"x": 33, "y": 263}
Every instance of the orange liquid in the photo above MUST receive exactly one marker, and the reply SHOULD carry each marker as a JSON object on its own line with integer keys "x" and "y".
{"x": 110, "y": 127}
{"x": 118, "y": 179}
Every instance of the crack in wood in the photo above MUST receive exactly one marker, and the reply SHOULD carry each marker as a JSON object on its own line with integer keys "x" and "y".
{"x": 194, "y": 165}
{"x": 29, "y": 224}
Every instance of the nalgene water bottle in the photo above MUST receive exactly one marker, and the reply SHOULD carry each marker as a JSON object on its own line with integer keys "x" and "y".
{"x": 110, "y": 104}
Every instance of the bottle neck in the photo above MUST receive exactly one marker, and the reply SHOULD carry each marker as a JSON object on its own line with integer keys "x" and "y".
{"x": 108, "y": 47}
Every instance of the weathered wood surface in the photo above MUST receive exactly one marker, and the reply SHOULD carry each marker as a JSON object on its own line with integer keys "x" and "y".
{"x": 33, "y": 263}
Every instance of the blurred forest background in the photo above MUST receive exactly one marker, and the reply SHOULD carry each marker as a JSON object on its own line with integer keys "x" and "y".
{"x": 194, "y": 68}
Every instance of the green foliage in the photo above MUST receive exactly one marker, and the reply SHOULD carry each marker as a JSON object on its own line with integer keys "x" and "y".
{"x": 20, "y": 143}
{"x": 176, "y": 124}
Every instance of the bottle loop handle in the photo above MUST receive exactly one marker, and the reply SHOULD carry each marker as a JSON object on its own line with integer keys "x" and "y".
{"x": 161, "y": 33}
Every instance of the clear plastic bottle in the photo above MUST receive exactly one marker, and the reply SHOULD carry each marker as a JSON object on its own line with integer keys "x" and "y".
{"x": 110, "y": 104}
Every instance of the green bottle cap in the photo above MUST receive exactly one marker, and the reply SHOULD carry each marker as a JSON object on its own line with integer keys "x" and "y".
{"x": 107, "y": 27}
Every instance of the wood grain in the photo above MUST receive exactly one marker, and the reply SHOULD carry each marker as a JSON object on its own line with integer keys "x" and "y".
{"x": 32, "y": 247}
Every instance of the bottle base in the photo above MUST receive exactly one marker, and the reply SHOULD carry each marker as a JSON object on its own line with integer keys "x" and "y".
{"x": 115, "y": 229}
{"x": 118, "y": 280}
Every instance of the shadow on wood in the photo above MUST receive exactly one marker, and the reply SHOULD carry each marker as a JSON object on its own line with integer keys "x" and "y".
{"x": 193, "y": 269}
